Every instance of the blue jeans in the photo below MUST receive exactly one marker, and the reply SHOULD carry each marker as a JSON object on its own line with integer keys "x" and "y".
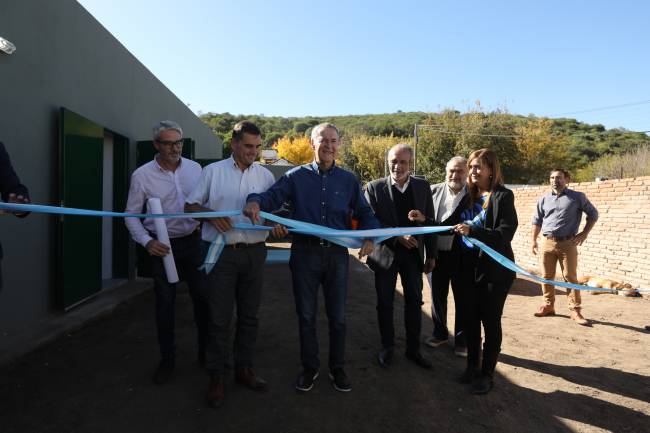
{"x": 313, "y": 266}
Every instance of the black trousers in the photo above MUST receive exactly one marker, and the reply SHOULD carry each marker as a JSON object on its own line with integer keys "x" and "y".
{"x": 188, "y": 257}
{"x": 235, "y": 281}
{"x": 446, "y": 271}
{"x": 484, "y": 306}
{"x": 407, "y": 264}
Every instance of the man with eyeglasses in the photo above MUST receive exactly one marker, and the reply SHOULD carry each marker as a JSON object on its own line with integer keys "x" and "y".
{"x": 171, "y": 178}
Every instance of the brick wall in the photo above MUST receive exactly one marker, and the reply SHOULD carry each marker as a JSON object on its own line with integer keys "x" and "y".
{"x": 618, "y": 247}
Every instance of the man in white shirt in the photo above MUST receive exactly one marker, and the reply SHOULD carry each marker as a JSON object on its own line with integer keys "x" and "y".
{"x": 169, "y": 177}
{"x": 236, "y": 279}
{"x": 449, "y": 198}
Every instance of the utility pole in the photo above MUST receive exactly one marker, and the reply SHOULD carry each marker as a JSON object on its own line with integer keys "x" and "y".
{"x": 385, "y": 163}
{"x": 415, "y": 148}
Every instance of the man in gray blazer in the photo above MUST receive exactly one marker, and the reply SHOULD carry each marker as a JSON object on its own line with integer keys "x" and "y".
{"x": 449, "y": 199}
{"x": 401, "y": 200}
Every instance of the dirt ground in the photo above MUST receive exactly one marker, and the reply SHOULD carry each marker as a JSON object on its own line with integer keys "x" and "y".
{"x": 553, "y": 375}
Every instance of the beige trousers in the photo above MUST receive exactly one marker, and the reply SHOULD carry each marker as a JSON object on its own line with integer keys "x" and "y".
{"x": 566, "y": 253}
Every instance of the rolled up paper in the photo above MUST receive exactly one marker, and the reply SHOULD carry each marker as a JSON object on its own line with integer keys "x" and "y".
{"x": 163, "y": 236}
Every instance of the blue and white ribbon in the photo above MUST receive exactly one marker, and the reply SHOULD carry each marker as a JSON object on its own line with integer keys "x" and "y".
{"x": 219, "y": 242}
{"x": 55, "y": 210}
{"x": 345, "y": 238}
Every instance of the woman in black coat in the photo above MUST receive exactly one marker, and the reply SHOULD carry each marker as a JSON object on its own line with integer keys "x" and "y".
{"x": 491, "y": 218}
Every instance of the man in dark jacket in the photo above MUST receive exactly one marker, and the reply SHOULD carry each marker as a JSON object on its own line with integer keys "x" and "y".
{"x": 396, "y": 200}
{"x": 11, "y": 190}
{"x": 449, "y": 198}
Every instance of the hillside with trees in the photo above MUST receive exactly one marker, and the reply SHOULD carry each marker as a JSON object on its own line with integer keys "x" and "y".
{"x": 527, "y": 145}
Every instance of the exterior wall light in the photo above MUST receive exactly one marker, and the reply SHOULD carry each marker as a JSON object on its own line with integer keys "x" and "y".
{"x": 6, "y": 46}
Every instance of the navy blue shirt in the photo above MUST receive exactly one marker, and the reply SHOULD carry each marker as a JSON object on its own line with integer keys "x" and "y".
{"x": 328, "y": 198}
{"x": 560, "y": 214}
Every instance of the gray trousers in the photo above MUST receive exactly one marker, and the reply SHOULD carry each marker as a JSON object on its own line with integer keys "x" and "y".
{"x": 235, "y": 281}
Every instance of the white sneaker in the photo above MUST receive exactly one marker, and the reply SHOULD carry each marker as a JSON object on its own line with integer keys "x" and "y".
{"x": 460, "y": 351}
{"x": 434, "y": 342}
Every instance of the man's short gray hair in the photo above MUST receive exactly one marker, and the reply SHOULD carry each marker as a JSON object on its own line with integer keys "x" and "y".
{"x": 163, "y": 126}
{"x": 457, "y": 159}
{"x": 315, "y": 133}
{"x": 402, "y": 147}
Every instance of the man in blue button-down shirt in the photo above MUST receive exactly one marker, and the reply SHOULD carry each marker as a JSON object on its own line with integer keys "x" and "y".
{"x": 558, "y": 218}
{"x": 325, "y": 194}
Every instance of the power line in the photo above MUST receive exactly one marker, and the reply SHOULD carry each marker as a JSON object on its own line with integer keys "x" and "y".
{"x": 477, "y": 134}
{"x": 435, "y": 128}
{"x": 611, "y": 107}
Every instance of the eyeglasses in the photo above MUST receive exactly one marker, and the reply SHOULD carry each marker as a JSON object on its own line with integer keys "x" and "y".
{"x": 170, "y": 143}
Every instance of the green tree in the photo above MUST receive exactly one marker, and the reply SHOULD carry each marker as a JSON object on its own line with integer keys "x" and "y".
{"x": 539, "y": 150}
{"x": 365, "y": 155}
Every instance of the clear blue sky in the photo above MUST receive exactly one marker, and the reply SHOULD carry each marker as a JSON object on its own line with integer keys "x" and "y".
{"x": 294, "y": 58}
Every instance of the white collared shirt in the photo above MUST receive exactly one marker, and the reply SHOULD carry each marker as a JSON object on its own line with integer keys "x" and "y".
{"x": 450, "y": 201}
{"x": 171, "y": 187}
{"x": 400, "y": 188}
{"x": 224, "y": 186}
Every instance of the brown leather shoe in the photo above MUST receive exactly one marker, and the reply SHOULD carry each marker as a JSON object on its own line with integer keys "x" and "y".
{"x": 545, "y": 310}
{"x": 247, "y": 377}
{"x": 577, "y": 317}
{"x": 216, "y": 391}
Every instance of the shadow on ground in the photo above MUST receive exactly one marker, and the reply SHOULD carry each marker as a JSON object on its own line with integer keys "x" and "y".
{"x": 98, "y": 380}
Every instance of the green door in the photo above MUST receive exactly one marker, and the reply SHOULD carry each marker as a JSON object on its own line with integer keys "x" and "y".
{"x": 144, "y": 152}
{"x": 120, "y": 194}
{"x": 80, "y": 186}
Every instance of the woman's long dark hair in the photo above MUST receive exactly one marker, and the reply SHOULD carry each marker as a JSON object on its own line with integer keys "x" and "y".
{"x": 488, "y": 159}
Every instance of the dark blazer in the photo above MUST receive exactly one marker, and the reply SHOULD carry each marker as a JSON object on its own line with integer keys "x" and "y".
{"x": 379, "y": 194}
{"x": 9, "y": 182}
{"x": 500, "y": 227}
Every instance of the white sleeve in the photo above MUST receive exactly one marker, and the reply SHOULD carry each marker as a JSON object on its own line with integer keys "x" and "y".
{"x": 135, "y": 203}
{"x": 201, "y": 191}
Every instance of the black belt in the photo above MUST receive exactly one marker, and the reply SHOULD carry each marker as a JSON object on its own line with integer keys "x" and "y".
{"x": 314, "y": 241}
{"x": 242, "y": 245}
{"x": 558, "y": 238}
{"x": 196, "y": 232}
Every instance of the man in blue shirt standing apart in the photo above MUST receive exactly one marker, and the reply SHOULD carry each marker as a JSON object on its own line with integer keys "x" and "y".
{"x": 558, "y": 218}
{"x": 325, "y": 194}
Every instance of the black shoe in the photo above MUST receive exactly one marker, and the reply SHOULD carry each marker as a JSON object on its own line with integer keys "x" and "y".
{"x": 306, "y": 378}
{"x": 340, "y": 380}
{"x": 163, "y": 372}
{"x": 482, "y": 385}
{"x": 384, "y": 357}
{"x": 467, "y": 377}
{"x": 418, "y": 359}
